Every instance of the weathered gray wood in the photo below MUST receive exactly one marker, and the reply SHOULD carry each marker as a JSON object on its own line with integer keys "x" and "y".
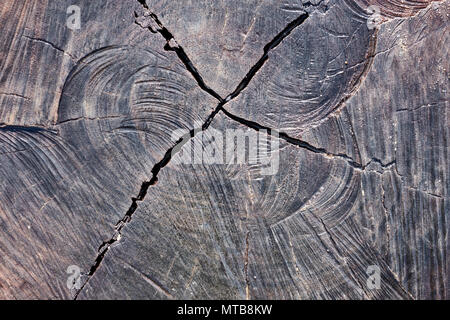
{"x": 230, "y": 232}
{"x": 87, "y": 122}
{"x": 66, "y": 184}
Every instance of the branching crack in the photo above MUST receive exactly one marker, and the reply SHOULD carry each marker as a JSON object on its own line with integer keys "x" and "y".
{"x": 151, "y": 22}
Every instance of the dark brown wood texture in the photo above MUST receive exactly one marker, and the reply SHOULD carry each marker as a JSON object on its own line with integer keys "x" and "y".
{"x": 93, "y": 176}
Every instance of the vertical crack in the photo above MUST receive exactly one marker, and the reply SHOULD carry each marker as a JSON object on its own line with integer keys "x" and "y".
{"x": 247, "y": 280}
{"x": 386, "y": 213}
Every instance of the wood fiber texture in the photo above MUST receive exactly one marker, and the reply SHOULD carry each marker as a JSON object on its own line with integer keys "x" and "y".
{"x": 100, "y": 129}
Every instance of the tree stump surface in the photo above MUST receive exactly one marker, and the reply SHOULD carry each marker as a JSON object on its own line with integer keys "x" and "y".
{"x": 101, "y": 127}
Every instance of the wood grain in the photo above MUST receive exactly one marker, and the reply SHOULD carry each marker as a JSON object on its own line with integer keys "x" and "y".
{"x": 93, "y": 173}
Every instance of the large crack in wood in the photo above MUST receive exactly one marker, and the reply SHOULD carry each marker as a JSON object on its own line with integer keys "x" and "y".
{"x": 294, "y": 141}
{"x": 151, "y": 22}
{"x": 309, "y": 147}
{"x": 106, "y": 245}
{"x": 267, "y": 48}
